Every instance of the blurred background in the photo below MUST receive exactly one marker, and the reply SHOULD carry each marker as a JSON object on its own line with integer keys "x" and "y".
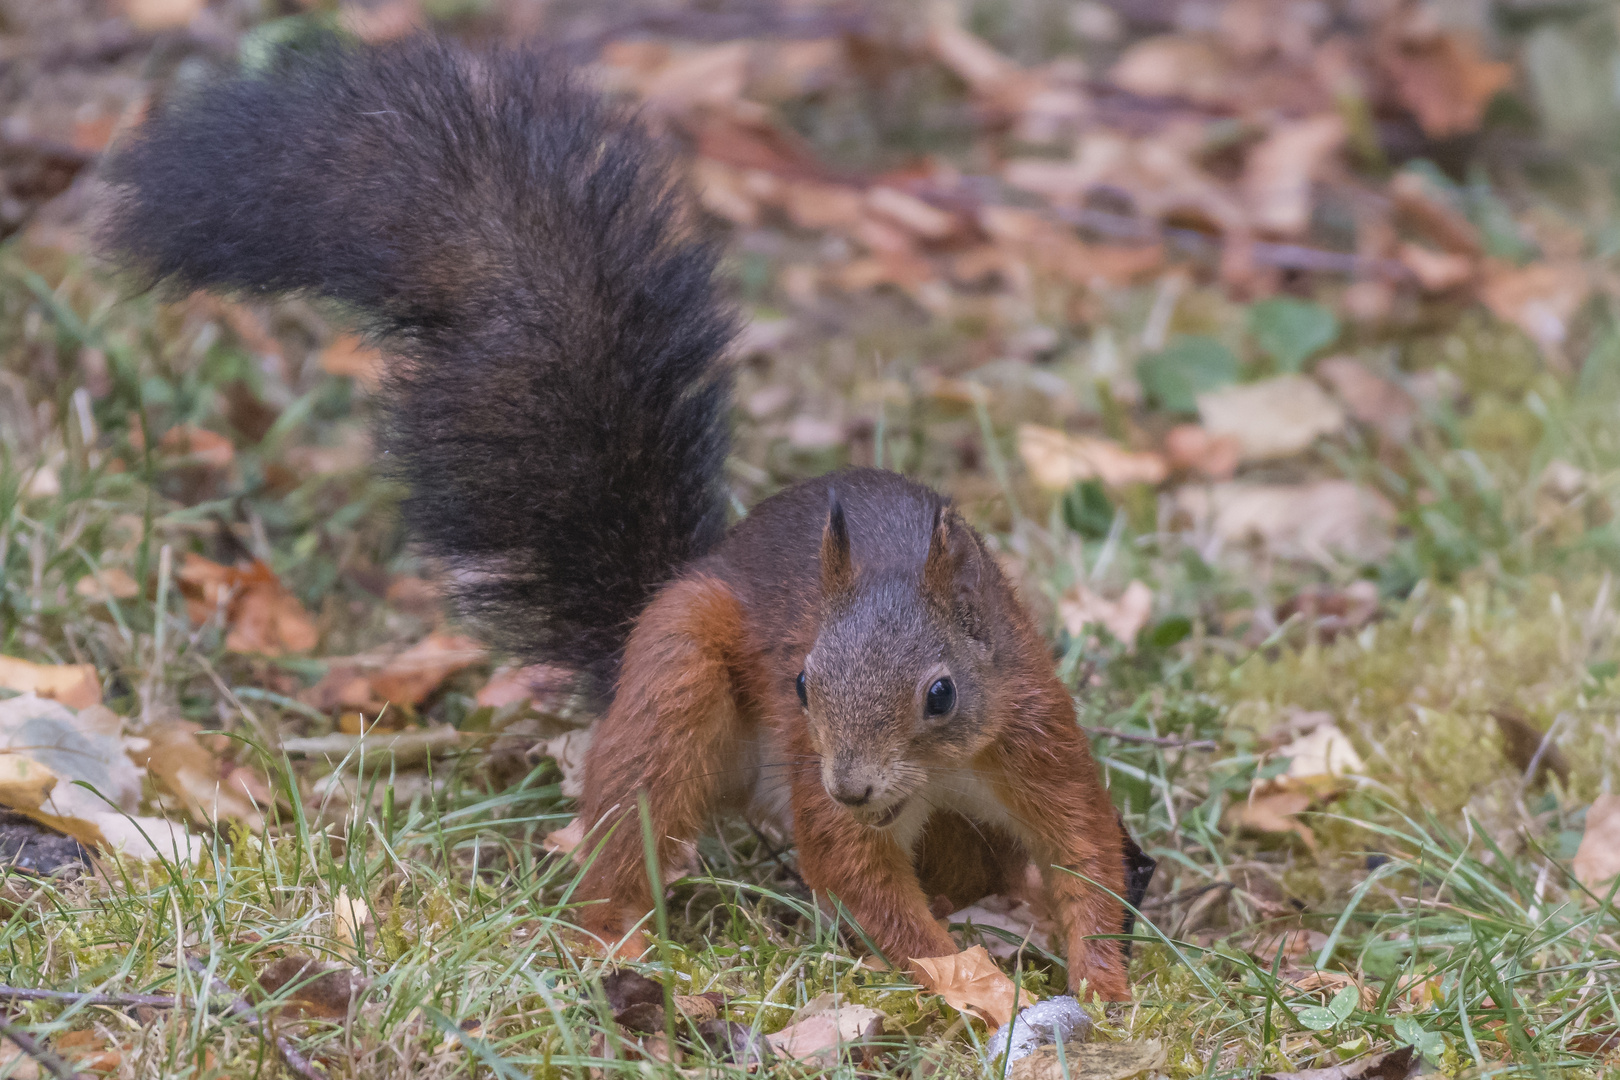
{"x": 1276, "y": 343}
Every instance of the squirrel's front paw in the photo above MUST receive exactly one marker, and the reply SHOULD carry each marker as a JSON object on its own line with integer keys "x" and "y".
{"x": 1099, "y": 968}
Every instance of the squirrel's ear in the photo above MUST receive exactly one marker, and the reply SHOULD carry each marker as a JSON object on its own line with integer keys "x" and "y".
{"x": 952, "y": 569}
{"x": 837, "y": 568}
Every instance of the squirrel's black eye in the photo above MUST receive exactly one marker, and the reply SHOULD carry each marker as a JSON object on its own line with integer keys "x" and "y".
{"x": 798, "y": 684}
{"x": 941, "y": 697}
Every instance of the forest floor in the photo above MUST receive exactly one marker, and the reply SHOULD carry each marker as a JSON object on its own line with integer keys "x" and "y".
{"x": 1276, "y": 345}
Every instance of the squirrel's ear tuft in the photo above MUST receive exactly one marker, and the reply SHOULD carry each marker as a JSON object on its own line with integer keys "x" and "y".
{"x": 837, "y": 567}
{"x": 952, "y": 569}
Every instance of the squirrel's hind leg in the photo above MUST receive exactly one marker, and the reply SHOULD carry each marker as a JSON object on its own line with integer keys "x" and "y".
{"x": 668, "y": 736}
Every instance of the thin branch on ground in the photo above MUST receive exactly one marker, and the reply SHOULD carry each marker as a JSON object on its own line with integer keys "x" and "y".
{"x": 74, "y": 997}
{"x": 239, "y": 1007}
{"x": 37, "y": 1050}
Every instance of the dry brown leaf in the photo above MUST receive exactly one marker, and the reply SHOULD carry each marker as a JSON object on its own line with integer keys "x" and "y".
{"x": 207, "y": 448}
{"x": 107, "y": 583}
{"x": 815, "y": 206}
{"x": 1370, "y": 398}
{"x": 349, "y": 355}
{"x": 411, "y": 676}
{"x": 824, "y": 1027}
{"x": 379, "y": 23}
{"x": 161, "y": 14}
{"x": 1279, "y": 172}
{"x": 186, "y": 768}
{"x": 711, "y": 76}
{"x": 1090, "y": 1061}
{"x": 87, "y": 1049}
{"x": 911, "y": 213}
{"x": 1273, "y": 812}
{"x": 545, "y": 685}
{"x": 261, "y": 616}
{"x": 1328, "y": 983}
{"x": 1272, "y": 418}
{"x": 1436, "y": 271}
{"x": 1394, "y": 1065}
{"x": 1173, "y": 65}
{"x": 1057, "y": 460}
{"x": 1539, "y": 299}
{"x": 564, "y": 840}
{"x": 1426, "y": 211}
{"x": 1446, "y": 81}
{"x": 1191, "y": 448}
{"x": 1597, "y": 860}
{"x": 350, "y": 914}
{"x": 15, "y": 1064}
{"x": 1011, "y": 914}
{"x": 74, "y": 685}
{"x": 1523, "y": 744}
{"x": 315, "y": 987}
{"x": 970, "y": 982}
{"x": 1124, "y": 617}
{"x": 971, "y": 58}
{"x": 1319, "y": 521}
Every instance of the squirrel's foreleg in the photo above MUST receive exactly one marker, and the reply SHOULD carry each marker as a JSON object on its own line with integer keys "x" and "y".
{"x": 867, "y": 870}
{"x": 1050, "y": 787}
{"x": 672, "y": 724}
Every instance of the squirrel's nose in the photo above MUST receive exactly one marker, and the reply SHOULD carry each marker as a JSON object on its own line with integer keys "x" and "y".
{"x": 849, "y": 797}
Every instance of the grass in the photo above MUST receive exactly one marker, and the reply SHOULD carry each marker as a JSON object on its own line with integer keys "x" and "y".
{"x": 1438, "y": 891}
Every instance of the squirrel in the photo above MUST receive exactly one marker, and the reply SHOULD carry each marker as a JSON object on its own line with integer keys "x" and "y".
{"x": 848, "y": 656}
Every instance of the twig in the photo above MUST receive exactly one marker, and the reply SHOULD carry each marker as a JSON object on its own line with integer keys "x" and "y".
{"x": 1151, "y": 740}
{"x": 1263, "y": 252}
{"x": 296, "y": 1062}
{"x": 20, "y": 993}
{"x": 37, "y": 1050}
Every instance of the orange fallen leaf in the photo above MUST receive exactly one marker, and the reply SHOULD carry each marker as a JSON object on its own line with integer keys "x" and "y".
{"x": 74, "y": 685}
{"x": 107, "y": 583}
{"x": 1274, "y": 811}
{"x": 161, "y": 14}
{"x": 564, "y": 840}
{"x": 1436, "y": 271}
{"x": 261, "y": 616}
{"x": 1124, "y": 618}
{"x": 89, "y": 1050}
{"x": 415, "y": 673}
{"x": 1597, "y": 860}
{"x": 1446, "y": 81}
{"x": 208, "y": 448}
{"x": 1191, "y": 447}
{"x": 1539, "y": 299}
{"x": 971, "y": 982}
{"x": 1056, "y": 460}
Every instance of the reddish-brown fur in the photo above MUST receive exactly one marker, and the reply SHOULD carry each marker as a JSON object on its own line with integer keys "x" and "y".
{"x": 871, "y": 614}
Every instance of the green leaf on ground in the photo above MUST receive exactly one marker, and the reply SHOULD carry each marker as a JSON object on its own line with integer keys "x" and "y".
{"x": 1187, "y": 367}
{"x": 1292, "y": 331}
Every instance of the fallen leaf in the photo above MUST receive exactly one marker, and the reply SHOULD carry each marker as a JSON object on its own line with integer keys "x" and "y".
{"x": 152, "y": 15}
{"x": 1280, "y": 170}
{"x": 15, "y": 1064}
{"x": 261, "y": 616}
{"x": 1323, "y": 753}
{"x": 25, "y": 784}
{"x": 1428, "y": 212}
{"x": 1370, "y": 398}
{"x": 545, "y": 685}
{"x": 348, "y": 355}
{"x": 1539, "y": 299}
{"x": 1192, "y": 448}
{"x": 970, "y": 982}
{"x": 1273, "y": 811}
{"x": 1291, "y": 331}
{"x": 1321, "y": 521}
{"x": 971, "y": 58}
{"x": 1173, "y": 65}
{"x": 107, "y": 583}
{"x": 379, "y": 23}
{"x": 186, "y": 768}
{"x": 350, "y": 914}
{"x": 1013, "y": 915}
{"x": 1090, "y": 1061}
{"x": 825, "y": 1027}
{"x": 1394, "y": 1065}
{"x": 1328, "y": 612}
{"x": 1446, "y": 81}
{"x": 321, "y": 988}
{"x": 564, "y": 840}
{"x": 87, "y": 1049}
{"x": 911, "y": 213}
{"x": 568, "y": 750}
{"x": 86, "y": 746}
{"x": 1124, "y": 618}
{"x": 207, "y": 448}
{"x": 1329, "y": 983}
{"x": 74, "y": 685}
{"x": 411, "y": 676}
{"x": 1597, "y": 860}
{"x": 1273, "y": 418}
{"x": 711, "y": 76}
{"x": 1176, "y": 375}
{"x": 1436, "y": 271}
{"x": 1057, "y": 460}
{"x": 1524, "y": 743}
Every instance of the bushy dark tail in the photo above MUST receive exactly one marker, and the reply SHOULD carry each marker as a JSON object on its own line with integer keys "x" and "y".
{"x": 559, "y": 410}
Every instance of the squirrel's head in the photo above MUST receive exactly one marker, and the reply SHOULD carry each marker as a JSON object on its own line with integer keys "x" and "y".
{"x": 895, "y": 685}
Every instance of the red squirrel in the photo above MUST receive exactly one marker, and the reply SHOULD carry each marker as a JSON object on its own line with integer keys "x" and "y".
{"x": 848, "y": 658}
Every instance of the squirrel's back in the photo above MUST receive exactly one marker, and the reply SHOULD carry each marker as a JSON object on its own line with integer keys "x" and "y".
{"x": 556, "y": 402}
